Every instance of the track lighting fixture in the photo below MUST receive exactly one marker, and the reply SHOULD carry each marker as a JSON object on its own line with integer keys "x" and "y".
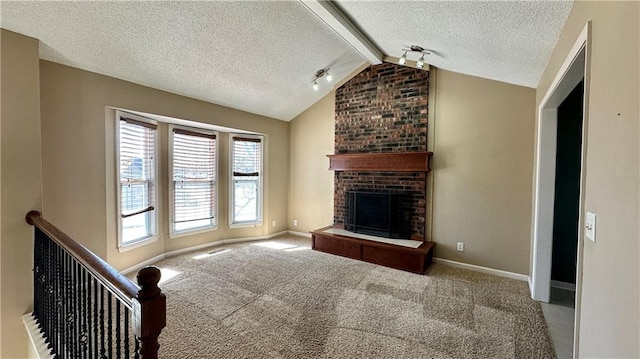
{"x": 319, "y": 74}
{"x": 414, "y": 48}
{"x": 420, "y": 63}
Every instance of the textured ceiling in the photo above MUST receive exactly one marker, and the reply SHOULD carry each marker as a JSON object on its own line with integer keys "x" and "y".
{"x": 509, "y": 41}
{"x": 255, "y": 56}
{"x": 260, "y": 56}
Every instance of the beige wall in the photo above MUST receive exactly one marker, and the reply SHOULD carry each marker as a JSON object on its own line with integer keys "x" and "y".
{"x": 21, "y": 183}
{"x": 310, "y": 181}
{"x": 482, "y": 168}
{"x": 79, "y": 159}
{"x": 610, "y": 310}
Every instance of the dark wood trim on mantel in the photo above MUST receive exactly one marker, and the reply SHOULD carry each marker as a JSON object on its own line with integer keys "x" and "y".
{"x": 392, "y": 161}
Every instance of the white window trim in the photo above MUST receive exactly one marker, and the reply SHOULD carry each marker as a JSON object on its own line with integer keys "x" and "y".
{"x": 123, "y": 247}
{"x": 259, "y": 222}
{"x": 177, "y": 234}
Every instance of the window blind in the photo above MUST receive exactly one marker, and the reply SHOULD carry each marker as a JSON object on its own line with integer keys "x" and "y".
{"x": 246, "y": 157}
{"x": 194, "y": 176}
{"x": 137, "y": 167}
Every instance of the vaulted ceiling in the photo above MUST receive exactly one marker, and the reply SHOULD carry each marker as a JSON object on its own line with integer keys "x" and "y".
{"x": 260, "y": 56}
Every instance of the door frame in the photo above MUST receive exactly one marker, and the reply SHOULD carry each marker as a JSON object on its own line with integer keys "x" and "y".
{"x": 575, "y": 68}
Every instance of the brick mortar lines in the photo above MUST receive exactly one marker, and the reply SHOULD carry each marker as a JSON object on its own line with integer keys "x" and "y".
{"x": 383, "y": 109}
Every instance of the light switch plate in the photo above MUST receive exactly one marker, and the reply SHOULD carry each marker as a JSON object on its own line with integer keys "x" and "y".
{"x": 590, "y": 226}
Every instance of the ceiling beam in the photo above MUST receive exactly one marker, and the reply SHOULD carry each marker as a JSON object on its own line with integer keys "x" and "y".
{"x": 338, "y": 22}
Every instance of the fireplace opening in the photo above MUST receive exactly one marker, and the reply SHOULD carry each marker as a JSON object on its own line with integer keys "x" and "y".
{"x": 382, "y": 214}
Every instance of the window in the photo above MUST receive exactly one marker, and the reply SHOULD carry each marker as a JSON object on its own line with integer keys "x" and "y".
{"x": 246, "y": 186}
{"x": 137, "y": 179}
{"x": 193, "y": 171}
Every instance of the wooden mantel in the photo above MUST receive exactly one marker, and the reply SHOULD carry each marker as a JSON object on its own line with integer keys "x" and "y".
{"x": 393, "y": 162}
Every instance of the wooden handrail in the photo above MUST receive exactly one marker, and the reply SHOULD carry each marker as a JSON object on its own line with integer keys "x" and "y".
{"x": 118, "y": 284}
{"x": 145, "y": 300}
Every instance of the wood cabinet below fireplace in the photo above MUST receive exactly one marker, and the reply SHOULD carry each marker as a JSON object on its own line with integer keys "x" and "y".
{"x": 414, "y": 260}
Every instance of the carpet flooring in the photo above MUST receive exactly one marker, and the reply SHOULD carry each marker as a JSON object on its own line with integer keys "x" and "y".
{"x": 279, "y": 299}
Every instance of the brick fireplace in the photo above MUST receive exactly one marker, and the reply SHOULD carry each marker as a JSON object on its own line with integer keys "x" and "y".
{"x": 383, "y": 110}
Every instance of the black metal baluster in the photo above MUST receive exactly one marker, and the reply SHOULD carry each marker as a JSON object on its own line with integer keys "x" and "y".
{"x": 74, "y": 308}
{"x": 118, "y": 329}
{"x": 96, "y": 346}
{"x": 65, "y": 305}
{"x": 46, "y": 286}
{"x": 136, "y": 349}
{"x": 42, "y": 315}
{"x": 42, "y": 312}
{"x": 83, "y": 312}
{"x": 110, "y": 325}
{"x": 126, "y": 332}
{"x": 38, "y": 278}
{"x": 34, "y": 270}
{"x": 89, "y": 309}
{"x": 51, "y": 294}
{"x": 60, "y": 299}
{"x": 37, "y": 256}
{"x": 78, "y": 318}
{"x": 103, "y": 352}
{"x": 42, "y": 278}
{"x": 69, "y": 300}
{"x": 56, "y": 300}
{"x": 77, "y": 285}
{"x": 62, "y": 320}
{"x": 56, "y": 293}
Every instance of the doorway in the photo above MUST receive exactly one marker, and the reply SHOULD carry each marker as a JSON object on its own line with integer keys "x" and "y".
{"x": 573, "y": 72}
{"x": 566, "y": 207}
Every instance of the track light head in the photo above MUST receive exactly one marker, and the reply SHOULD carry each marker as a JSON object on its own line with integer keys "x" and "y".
{"x": 403, "y": 58}
{"x": 420, "y": 63}
{"x": 315, "y": 85}
{"x": 329, "y": 77}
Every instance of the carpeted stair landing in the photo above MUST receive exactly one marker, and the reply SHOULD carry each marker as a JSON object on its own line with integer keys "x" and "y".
{"x": 279, "y": 299}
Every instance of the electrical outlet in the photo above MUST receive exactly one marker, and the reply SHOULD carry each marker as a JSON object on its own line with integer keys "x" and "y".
{"x": 460, "y": 247}
{"x": 295, "y": 222}
{"x": 273, "y": 223}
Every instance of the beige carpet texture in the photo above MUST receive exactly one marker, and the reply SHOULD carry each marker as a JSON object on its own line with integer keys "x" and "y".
{"x": 279, "y": 299}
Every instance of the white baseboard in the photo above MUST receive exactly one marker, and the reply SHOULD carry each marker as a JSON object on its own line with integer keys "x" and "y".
{"x": 473, "y": 267}
{"x": 300, "y": 234}
{"x": 38, "y": 347}
{"x": 563, "y": 285}
{"x": 141, "y": 265}
{"x": 195, "y": 248}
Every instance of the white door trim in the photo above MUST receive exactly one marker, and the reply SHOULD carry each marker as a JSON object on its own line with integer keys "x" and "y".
{"x": 575, "y": 68}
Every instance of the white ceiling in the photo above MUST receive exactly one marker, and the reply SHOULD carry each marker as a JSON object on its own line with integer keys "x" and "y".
{"x": 260, "y": 56}
{"x": 508, "y": 41}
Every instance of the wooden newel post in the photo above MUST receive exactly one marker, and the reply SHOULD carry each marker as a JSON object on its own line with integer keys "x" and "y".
{"x": 149, "y": 314}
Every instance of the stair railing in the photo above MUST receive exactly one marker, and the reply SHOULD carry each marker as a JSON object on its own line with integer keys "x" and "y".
{"x": 87, "y": 309}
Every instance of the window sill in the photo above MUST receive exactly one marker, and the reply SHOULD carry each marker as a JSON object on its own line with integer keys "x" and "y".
{"x": 245, "y": 225}
{"x": 137, "y": 244}
{"x": 191, "y": 232}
